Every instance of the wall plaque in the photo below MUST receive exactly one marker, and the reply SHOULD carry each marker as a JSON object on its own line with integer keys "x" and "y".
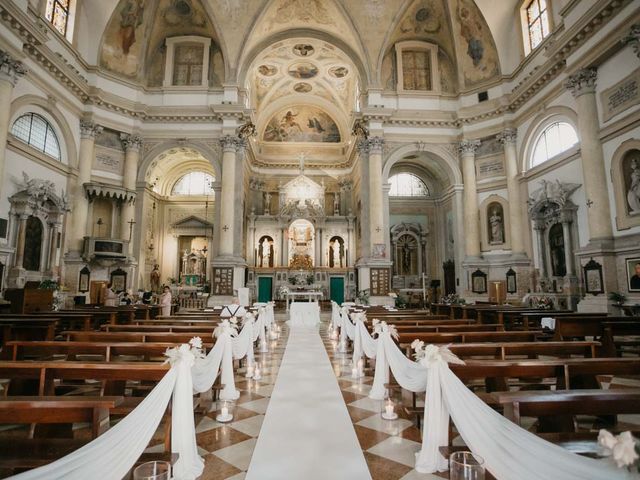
{"x": 379, "y": 280}
{"x": 223, "y": 280}
{"x": 621, "y": 96}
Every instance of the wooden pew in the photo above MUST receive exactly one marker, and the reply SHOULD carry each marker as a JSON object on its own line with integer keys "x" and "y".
{"x": 612, "y": 347}
{"x": 66, "y": 321}
{"x": 571, "y": 326}
{"x": 42, "y": 328}
{"x": 107, "y": 351}
{"x": 440, "y": 328}
{"x": 465, "y": 337}
{"x": 56, "y": 410}
{"x": 556, "y": 409}
{"x": 200, "y": 329}
{"x": 162, "y": 337}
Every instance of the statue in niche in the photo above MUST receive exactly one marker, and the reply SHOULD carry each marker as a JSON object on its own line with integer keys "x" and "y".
{"x": 336, "y": 254}
{"x": 336, "y": 203}
{"x": 633, "y": 195}
{"x": 267, "y": 203}
{"x": 265, "y": 253}
{"x": 496, "y": 230}
{"x": 155, "y": 278}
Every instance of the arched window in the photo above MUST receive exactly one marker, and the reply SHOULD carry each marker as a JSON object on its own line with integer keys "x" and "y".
{"x": 35, "y": 131}
{"x": 57, "y": 13}
{"x": 407, "y": 185}
{"x": 555, "y": 139}
{"x": 194, "y": 183}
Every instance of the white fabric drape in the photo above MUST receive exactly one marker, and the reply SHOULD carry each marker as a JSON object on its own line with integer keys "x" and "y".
{"x": 510, "y": 452}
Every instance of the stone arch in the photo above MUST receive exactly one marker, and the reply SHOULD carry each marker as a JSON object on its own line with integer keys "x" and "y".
{"x": 540, "y": 122}
{"x": 210, "y": 153}
{"x": 57, "y": 119}
{"x": 447, "y": 161}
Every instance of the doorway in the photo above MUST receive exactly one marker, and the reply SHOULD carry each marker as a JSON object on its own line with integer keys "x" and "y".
{"x": 265, "y": 289}
{"x": 336, "y": 289}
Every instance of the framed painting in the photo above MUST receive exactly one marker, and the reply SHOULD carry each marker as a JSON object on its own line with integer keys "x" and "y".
{"x": 119, "y": 280}
{"x": 593, "y": 277}
{"x": 633, "y": 274}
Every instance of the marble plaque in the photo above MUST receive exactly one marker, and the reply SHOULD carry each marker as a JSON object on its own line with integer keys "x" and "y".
{"x": 108, "y": 160}
{"x": 490, "y": 166}
{"x": 621, "y": 96}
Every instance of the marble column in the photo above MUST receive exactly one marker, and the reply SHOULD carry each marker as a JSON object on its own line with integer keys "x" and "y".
{"x": 217, "y": 195}
{"x": 230, "y": 145}
{"x": 132, "y": 144}
{"x": 80, "y": 205}
{"x": 376, "y": 208}
{"x": 508, "y": 138}
{"x": 566, "y": 220}
{"x": 10, "y": 72}
{"x": 285, "y": 247}
{"x": 583, "y": 87}
{"x": 53, "y": 246}
{"x": 540, "y": 228}
{"x": 20, "y": 240}
{"x": 471, "y": 213}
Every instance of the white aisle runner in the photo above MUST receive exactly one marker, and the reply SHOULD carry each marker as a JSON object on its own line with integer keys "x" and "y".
{"x": 307, "y": 433}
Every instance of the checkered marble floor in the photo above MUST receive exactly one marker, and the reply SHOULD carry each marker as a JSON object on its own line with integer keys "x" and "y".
{"x": 389, "y": 446}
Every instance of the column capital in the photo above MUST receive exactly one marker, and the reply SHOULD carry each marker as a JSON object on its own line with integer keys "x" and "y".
{"x": 231, "y": 143}
{"x": 89, "y": 129}
{"x": 633, "y": 39}
{"x": 131, "y": 142}
{"x": 468, "y": 147}
{"x": 10, "y": 68}
{"x": 371, "y": 145}
{"x": 507, "y": 136}
{"x": 583, "y": 81}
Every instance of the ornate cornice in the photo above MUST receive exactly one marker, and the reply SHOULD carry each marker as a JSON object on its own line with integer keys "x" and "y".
{"x": 10, "y": 69}
{"x": 131, "y": 142}
{"x": 468, "y": 147}
{"x": 583, "y": 81}
{"x": 89, "y": 129}
{"x": 100, "y": 190}
{"x": 507, "y": 136}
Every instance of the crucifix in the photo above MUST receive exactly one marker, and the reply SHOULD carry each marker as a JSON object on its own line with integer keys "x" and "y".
{"x": 131, "y": 224}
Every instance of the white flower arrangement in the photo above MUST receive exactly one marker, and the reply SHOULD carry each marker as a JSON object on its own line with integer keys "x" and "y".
{"x": 431, "y": 354}
{"x": 379, "y": 327}
{"x": 227, "y": 325}
{"x": 623, "y": 448}
{"x": 181, "y": 353}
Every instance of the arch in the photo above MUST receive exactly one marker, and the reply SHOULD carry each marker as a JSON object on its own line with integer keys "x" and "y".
{"x": 418, "y": 187}
{"x": 68, "y": 150}
{"x": 485, "y": 213}
{"x": 620, "y": 159}
{"x": 206, "y": 176}
{"x": 540, "y": 122}
{"x": 445, "y": 159}
{"x": 247, "y": 58}
{"x": 210, "y": 153}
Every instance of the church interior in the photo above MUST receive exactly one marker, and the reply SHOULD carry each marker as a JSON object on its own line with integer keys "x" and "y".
{"x": 284, "y": 239}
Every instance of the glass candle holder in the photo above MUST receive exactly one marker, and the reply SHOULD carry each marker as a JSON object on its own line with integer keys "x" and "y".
{"x": 156, "y": 470}
{"x": 466, "y": 466}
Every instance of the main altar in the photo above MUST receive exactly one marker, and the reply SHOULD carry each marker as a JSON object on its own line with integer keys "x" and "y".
{"x": 301, "y": 240}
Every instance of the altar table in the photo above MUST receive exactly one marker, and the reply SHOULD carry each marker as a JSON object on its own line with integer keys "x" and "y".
{"x": 312, "y": 296}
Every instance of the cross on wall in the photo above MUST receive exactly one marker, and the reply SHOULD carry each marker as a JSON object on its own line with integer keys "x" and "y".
{"x": 225, "y": 228}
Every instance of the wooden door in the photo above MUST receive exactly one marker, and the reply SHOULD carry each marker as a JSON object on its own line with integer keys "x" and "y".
{"x": 96, "y": 291}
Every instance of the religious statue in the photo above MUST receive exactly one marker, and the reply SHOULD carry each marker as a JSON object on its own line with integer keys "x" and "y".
{"x": 633, "y": 195}
{"x": 265, "y": 253}
{"x": 267, "y": 203}
{"x": 336, "y": 253}
{"x": 406, "y": 258}
{"x": 496, "y": 235}
{"x": 155, "y": 278}
{"x": 336, "y": 203}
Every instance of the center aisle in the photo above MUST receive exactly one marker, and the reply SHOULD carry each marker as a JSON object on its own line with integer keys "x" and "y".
{"x": 307, "y": 432}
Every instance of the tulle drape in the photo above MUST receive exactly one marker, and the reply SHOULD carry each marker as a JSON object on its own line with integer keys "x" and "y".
{"x": 510, "y": 452}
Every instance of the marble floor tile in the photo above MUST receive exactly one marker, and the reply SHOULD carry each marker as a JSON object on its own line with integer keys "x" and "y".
{"x": 219, "y": 438}
{"x": 390, "y": 427}
{"x": 384, "y": 469}
{"x": 217, "y": 469}
{"x": 397, "y": 449}
{"x": 259, "y": 406}
{"x": 250, "y": 426}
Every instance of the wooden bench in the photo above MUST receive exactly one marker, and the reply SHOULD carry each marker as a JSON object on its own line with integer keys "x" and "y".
{"x": 466, "y": 337}
{"x": 162, "y": 337}
{"x": 200, "y": 329}
{"x": 57, "y": 410}
{"x": 556, "y": 409}
{"x": 42, "y": 328}
{"x": 613, "y": 347}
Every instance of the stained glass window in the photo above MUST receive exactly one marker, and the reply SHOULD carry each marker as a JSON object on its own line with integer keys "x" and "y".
{"x": 416, "y": 70}
{"x": 35, "y": 131}
{"x": 407, "y": 185}
{"x": 194, "y": 183}
{"x": 537, "y": 22}
{"x": 57, "y": 13}
{"x": 555, "y": 139}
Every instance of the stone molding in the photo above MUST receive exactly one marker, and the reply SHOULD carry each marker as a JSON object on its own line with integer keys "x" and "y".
{"x": 468, "y": 147}
{"x": 507, "y": 136}
{"x": 131, "y": 142}
{"x": 89, "y": 129}
{"x": 10, "y": 68}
